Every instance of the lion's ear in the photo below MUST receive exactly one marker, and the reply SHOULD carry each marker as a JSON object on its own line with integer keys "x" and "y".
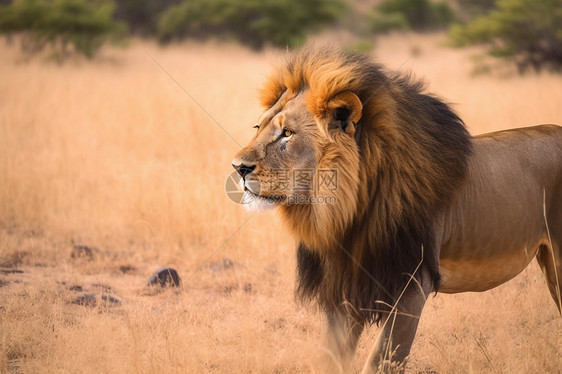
{"x": 346, "y": 109}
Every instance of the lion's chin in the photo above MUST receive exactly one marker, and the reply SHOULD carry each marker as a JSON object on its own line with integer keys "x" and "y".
{"x": 258, "y": 203}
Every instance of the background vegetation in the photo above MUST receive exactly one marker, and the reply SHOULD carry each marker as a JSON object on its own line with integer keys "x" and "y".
{"x": 417, "y": 15}
{"x": 527, "y": 32}
{"x": 253, "y": 22}
{"x": 63, "y": 25}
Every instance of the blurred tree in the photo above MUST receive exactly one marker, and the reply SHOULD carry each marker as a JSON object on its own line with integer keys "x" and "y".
{"x": 473, "y": 8}
{"x": 64, "y": 25}
{"x": 419, "y": 15}
{"x": 253, "y": 22}
{"x": 142, "y": 15}
{"x": 527, "y": 32}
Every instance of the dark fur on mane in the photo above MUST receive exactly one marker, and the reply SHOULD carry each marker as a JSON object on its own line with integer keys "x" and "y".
{"x": 412, "y": 157}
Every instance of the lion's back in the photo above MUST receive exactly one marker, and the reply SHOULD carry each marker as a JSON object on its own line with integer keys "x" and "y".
{"x": 536, "y": 149}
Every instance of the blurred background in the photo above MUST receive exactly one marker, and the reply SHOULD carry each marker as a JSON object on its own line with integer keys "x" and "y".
{"x": 525, "y": 31}
{"x": 118, "y": 123}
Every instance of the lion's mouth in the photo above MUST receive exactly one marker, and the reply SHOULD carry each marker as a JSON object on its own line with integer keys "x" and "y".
{"x": 270, "y": 198}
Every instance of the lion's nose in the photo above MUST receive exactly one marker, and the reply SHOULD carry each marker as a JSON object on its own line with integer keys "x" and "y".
{"x": 243, "y": 169}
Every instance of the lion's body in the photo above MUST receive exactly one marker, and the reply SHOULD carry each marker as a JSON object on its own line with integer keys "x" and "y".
{"x": 416, "y": 195}
{"x": 498, "y": 221}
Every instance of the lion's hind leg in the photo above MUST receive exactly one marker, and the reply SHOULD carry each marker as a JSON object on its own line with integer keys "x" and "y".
{"x": 550, "y": 260}
{"x": 549, "y": 255}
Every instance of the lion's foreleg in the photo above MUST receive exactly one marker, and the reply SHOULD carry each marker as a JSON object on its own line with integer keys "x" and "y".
{"x": 343, "y": 334}
{"x": 398, "y": 330}
{"x": 393, "y": 344}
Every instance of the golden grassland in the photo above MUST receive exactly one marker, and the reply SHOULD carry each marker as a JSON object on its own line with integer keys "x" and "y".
{"x": 115, "y": 154}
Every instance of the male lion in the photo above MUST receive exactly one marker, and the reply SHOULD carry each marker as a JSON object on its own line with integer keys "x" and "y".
{"x": 419, "y": 206}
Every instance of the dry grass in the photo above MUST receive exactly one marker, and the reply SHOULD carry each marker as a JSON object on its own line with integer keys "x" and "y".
{"x": 115, "y": 155}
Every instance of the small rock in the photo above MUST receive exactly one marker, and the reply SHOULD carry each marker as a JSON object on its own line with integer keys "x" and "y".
{"x": 11, "y": 271}
{"x": 88, "y": 299}
{"x": 111, "y": 300}
{"x": 13, "y": 259}
{"x": 165, "y": 276}
{"x": 225, "y": 264}
{"x": 104, "y": 287}
{"x": 278, "y": 323}
{"x": 91, "y": 300}
{"x": 248, "y": 288}
{"x": 79, "y": 250}
{"x": 127, "y": 268}
{"x": 230, "y": 288}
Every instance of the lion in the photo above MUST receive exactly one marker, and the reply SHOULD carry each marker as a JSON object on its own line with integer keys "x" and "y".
{"x": 391, "y": 199}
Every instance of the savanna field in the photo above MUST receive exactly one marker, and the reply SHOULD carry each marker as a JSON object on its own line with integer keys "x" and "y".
{"x": 129, "y": 153}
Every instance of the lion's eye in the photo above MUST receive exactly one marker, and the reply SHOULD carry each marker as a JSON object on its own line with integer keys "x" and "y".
{"x": 287, "y": 133}
{"x": 257, "y": 127}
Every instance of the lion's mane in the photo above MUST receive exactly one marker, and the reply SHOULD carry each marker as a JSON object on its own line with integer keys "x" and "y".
{"x": 411, "y": 157}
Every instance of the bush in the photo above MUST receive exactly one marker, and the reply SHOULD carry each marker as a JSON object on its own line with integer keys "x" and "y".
{"x": 64, "y": 25}
{"x": 472, "y": 8}
{"x": 141, "y": 16}
{"x": 527, "y": 32}
{"x": 381, "y": 23}
{"x": 253, "y": 22}
{"x": 419, "y": 15}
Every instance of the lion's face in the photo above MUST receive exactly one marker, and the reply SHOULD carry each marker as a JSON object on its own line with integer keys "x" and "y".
{"x": 281, "y": 164}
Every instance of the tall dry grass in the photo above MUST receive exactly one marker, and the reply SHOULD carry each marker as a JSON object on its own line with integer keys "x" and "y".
{"x": 114, "y": 154}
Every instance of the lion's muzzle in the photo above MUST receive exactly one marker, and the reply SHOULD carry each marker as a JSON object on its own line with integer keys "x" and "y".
{"x": 242, "y": 168}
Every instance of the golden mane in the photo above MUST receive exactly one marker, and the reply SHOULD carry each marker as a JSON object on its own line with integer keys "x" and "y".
{"x": 409, "y": 159}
